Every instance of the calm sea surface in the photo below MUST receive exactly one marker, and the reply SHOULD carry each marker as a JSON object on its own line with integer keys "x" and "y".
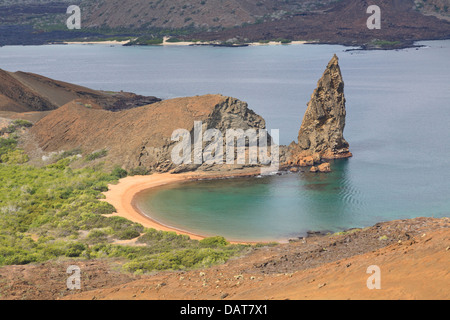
{"x": 398, "y": 127}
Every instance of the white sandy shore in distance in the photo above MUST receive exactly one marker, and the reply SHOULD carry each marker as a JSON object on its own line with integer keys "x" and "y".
{"x": 114, "y": 42}
{"x": 181, "y": 43}
{"x": 122, "y": 195}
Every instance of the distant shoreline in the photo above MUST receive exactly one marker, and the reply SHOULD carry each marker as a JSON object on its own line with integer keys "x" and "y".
{"x": 187, "y": 43}
{"x": 113, "y": 42}
{"x": 366, "y": 47}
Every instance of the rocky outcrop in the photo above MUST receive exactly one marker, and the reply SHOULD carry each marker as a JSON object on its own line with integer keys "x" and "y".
{"x": 324, "y": 167}
{"x": 141, "y": 137}
{"x": 321, "y": 133}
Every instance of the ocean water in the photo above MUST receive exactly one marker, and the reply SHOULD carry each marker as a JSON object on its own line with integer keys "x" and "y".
{"x": 398, "y": 116}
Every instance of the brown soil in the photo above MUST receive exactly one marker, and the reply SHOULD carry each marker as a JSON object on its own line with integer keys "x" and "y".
{"x": 24, "y": 92}
{"x": 413, "y": 256}
{"x": 344, "y": 22}
{"x": 139, "y": 137}
{"x": 47, "y": 281}
{"x": 33, "y": 116}
{"x": 326, "y": 21}
{"x": 181, "y": 14}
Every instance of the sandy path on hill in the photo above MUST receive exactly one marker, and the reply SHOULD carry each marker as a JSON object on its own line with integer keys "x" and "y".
{"x": 121, "y": 195}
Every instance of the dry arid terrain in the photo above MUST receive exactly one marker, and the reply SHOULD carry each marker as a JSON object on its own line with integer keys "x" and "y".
{"x": 344, "y": 22}
{"x": 139, "y": 137}
{"x": 413, "y": 257}
{"x": 26, "y": 92}
{"x": 324, "y": 21}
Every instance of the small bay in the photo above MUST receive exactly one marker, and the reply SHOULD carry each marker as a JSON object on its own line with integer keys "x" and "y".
{"x": 398, "y": 116}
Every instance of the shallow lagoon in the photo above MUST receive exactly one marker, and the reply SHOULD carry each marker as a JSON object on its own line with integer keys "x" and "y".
{"x": 398, "y": 115}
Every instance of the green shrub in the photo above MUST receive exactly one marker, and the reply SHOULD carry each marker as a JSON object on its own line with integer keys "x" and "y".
{"x": 7, "y": 145}
{"x": 97, "y": 236}
{"x": 97, "y": 155}
{"x": 19, "y": 123}
{"x": 16, "y": 124}
{"x": 214, "y": 242}
{"x": 15, "y": 157}
{"x": 119, "y": 173}
{"x": 146, "y": 41}
{"x": 61, "y": 164}
{"x": 178, "y": 260}
{"x": 127, "y": 234}
{"x": 101, "y": 207}
{"x": 69, "y": 153}
{"x": 75, "y": 250}
{"x": 100, "y": 186}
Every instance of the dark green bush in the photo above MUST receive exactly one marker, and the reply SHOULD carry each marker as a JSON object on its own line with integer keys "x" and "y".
{"x": 119, "y": 173}
{"x": 69, "y": 153}
{"x": 214, "y": 242}
{"x": 75, "y": 249}
{"x": 97, "y": 155}
{"x": 127, "y": 234}
{"x": 97, "y": 236}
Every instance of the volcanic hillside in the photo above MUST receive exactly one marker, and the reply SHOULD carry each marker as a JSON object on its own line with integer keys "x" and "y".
{"x": 325, "y": 21}
{"x": 345, "y": 22}
{"x": 195, "y": 13}
{"x": 23, "y": 91}
{"x": 139, "y": 137}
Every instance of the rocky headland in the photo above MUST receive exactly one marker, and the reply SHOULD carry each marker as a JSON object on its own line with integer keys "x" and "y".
{"x": 141, "y": 137}
{"x": 134, "y": 132}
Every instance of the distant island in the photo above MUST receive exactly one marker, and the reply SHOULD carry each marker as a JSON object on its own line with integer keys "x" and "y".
{"x": 229, "y": 23}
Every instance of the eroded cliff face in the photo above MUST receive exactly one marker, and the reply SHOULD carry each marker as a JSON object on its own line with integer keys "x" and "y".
{"x": 321, "y": 133}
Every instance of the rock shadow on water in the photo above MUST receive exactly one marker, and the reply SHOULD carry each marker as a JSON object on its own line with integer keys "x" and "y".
{"x": 329, "y": 181}
{"x": 327, "y": 200}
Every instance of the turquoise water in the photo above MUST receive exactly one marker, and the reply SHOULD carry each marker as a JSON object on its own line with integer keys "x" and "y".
{"x": 287, "y": 206}
{"x": 398, "y": 116}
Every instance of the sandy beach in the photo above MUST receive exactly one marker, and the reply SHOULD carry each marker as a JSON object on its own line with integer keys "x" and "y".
{"x": 122, "y": 195}
{"x": 114, "y": 42}
{"x": 183, "y": 43}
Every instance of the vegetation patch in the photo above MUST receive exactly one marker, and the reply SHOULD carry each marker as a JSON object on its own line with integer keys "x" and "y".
{"x": 385, "y": 43}
{"x": 97, "y": 155}
{"x": 145, "y": 41}
{"x": 56, "y": 211}
{"x": 16, "y": 124}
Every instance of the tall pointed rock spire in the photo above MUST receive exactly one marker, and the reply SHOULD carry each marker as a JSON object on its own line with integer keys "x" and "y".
{"x": 321, "y": 132}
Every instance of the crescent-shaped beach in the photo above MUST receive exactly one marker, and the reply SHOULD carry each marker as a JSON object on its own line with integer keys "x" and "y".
{"x": 122, "y": 195}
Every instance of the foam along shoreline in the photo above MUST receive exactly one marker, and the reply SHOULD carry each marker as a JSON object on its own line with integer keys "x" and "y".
{"x": 122, "y": 196}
